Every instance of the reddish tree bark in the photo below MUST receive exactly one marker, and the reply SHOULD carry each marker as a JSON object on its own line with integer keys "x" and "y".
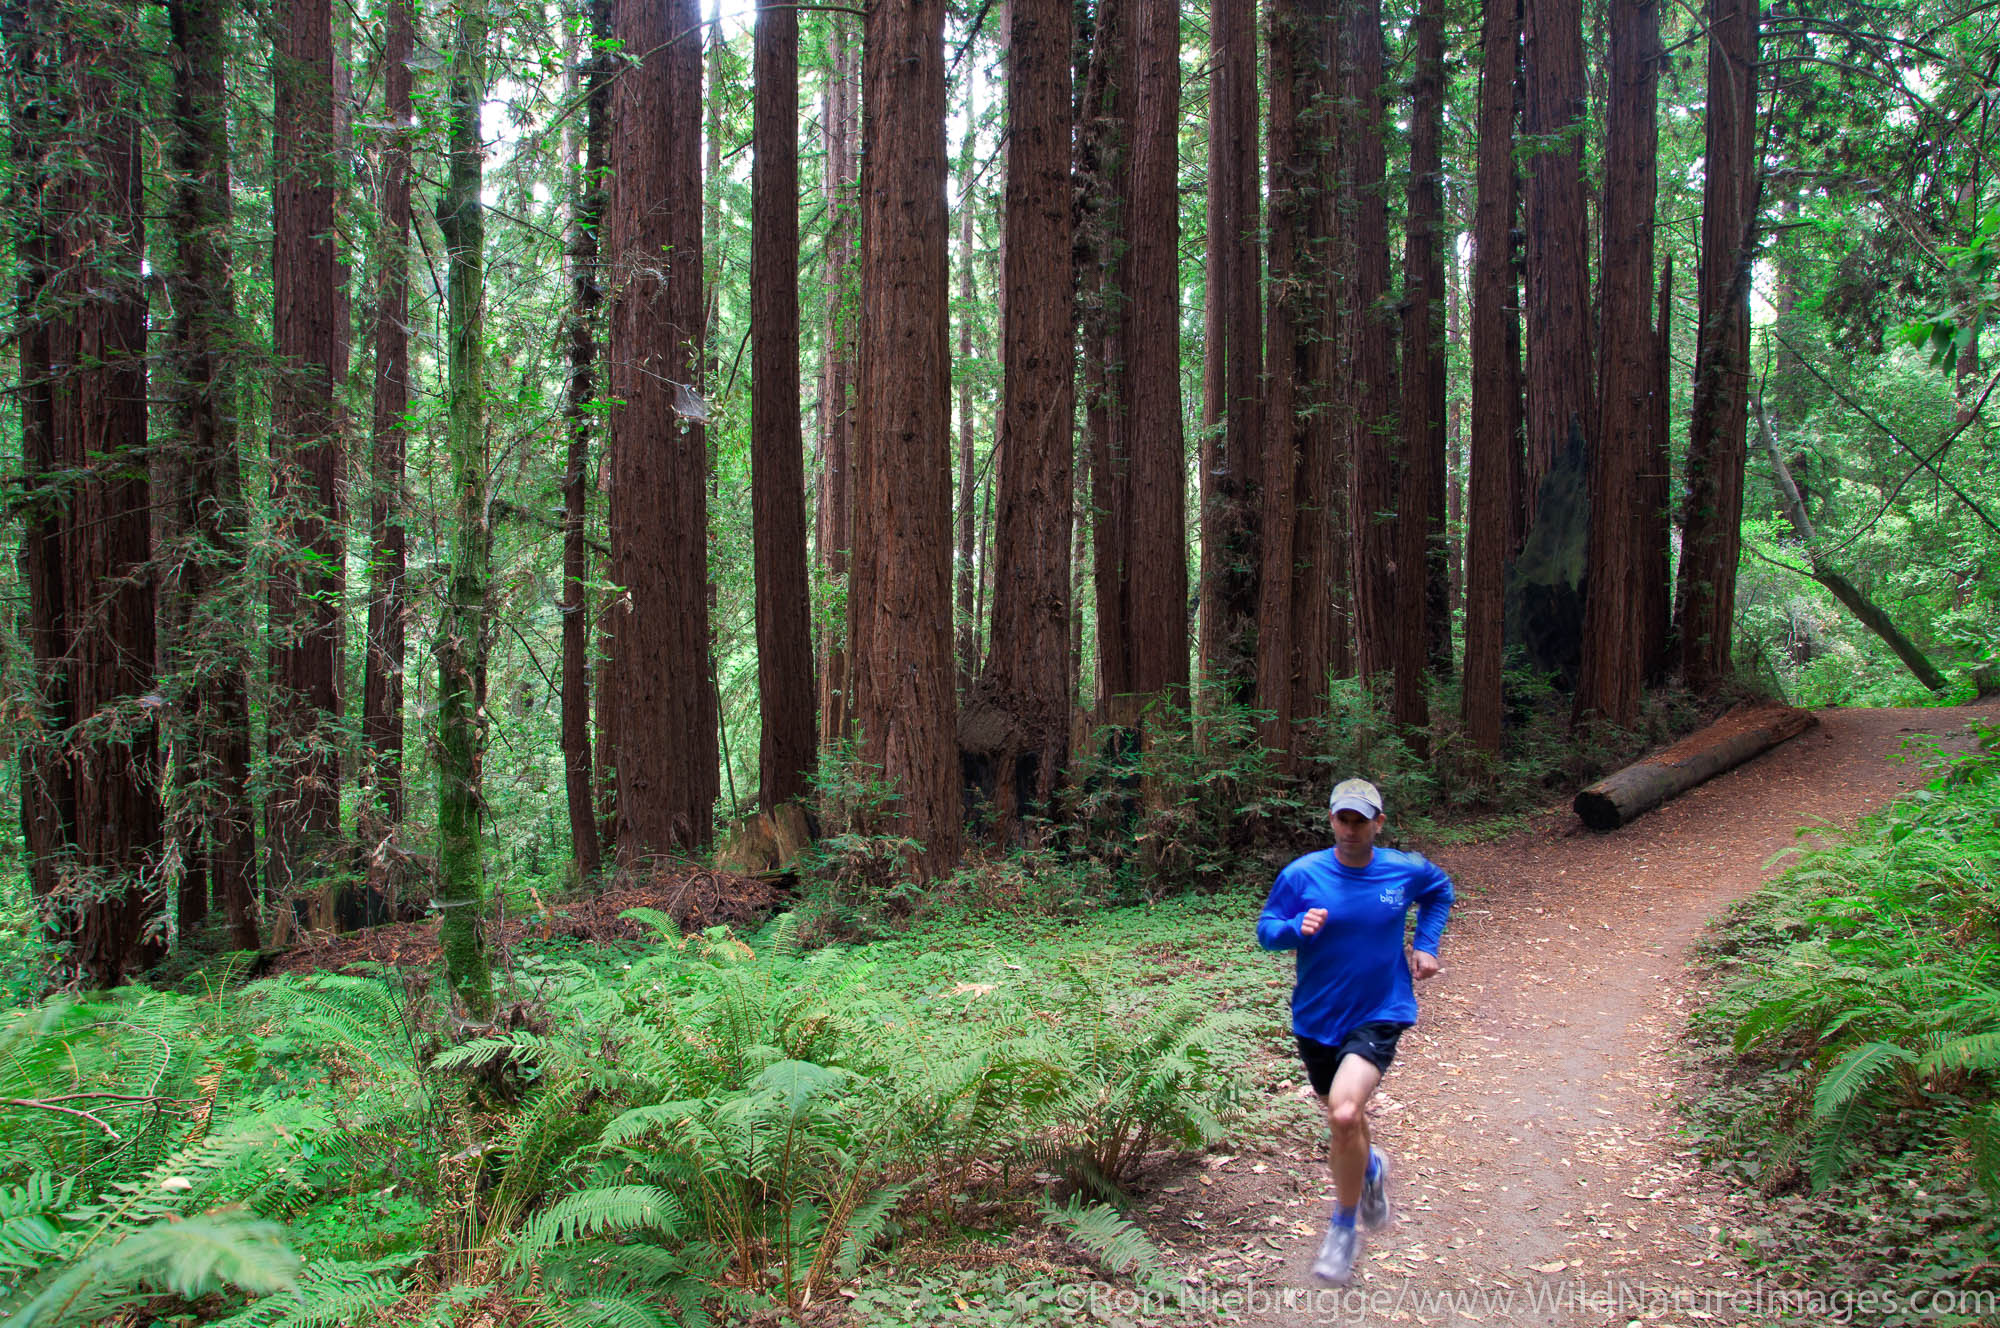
{"x": 966, "y": 509}
{"x": 1496, "y": 387}
{"x": 207, "y": 498}
{"x": 777, "y": 448}
{"x": 108, "y": 899}
{"x": 1233, "y": 436}
{"x": 1289, "y": 329}
{"x": 1711, "y": 523}
{"x": 1562, "y": 385}
{"x": 899, "y": 595}
{"x": 1373, "y": 354}
{"x": 1611, "y": 683}
{"x": 388, "y": 607}
{"x": 1027, "y": 669}
{"x": 1146, "y": 656}
{"x": 586, "y": 296}
{"x": 840, "y": 127}
{"x": 1419, "y": 521}
{"x": 302, "y": 810}
{"x": 1321, "y": 637}
{"x": 661, "y": 707}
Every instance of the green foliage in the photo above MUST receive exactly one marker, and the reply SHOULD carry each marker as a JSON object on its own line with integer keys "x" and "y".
{"x": 1110, "y": 1236}
{"x": 1861, "y": 1015}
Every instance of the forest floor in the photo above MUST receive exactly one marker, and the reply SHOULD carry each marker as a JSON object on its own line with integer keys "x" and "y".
{"x": 1539, "y": 1176}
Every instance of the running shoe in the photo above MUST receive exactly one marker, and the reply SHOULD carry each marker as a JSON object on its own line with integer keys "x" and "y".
{"x": 1374, "y": 1212}
{"x": 1335, "y": 1263}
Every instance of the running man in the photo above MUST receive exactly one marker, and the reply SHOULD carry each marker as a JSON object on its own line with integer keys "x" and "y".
{"x": 1344, "y": 910}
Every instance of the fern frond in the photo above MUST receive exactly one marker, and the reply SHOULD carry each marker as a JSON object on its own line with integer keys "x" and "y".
{"x": 865, "y": 1226}
{"x": 598, "y": 1212}
{"x": 190, "y": 1258}
{"x": 1120, "y": 1245}
{"x": 664, "y": 927}
{"x": 1841, "y": 1105}
{"x": 1977, "y": 1053}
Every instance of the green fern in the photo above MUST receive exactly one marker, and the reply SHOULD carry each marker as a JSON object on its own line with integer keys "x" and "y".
{"x": 189, "y": 1257}
{"x": 596, "y": 1212}
{"x": 1119, "y": 1244}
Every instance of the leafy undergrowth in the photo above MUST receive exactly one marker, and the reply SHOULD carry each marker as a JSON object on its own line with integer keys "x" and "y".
{"x": 1851, "y": 1053}
{"x": 705, "y": 1130}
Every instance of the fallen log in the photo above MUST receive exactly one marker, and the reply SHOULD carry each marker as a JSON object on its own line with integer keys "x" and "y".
{"x": 1749, "y": 730}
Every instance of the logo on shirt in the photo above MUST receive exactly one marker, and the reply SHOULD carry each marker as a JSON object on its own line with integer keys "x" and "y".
{"x": 1393, "y": 896}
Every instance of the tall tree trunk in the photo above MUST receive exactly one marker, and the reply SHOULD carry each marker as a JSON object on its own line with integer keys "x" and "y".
{"x": 1612, "y": 680}
{"x": 1455, "y": 451}
{"x": 1233, "y": 436}
{"x": 1562, "y": 385}
{"x": 302, "y": 811}
{"x": 107, "y": 900}
{"x": 662, "y": 706}
{"x": 899, "y": 593}
{"x": 463, "y": 625}
{"x": 217, "y": 774}
{"x": 1321, "y": 639}
{"x": 841, "y": 128}
{"x": 1711, "y": 523}
{"x": 777, "y": 448}
{"x": 35, "y": 109}
{"x": 1027, "y": 668}
{"x": 1142, "y": 562}
{"x": 1373, "y": 355}
{"x": 586, "y": 295}
{"x": 1419, "y": 520}
{"x": 967, "y": 509}
{"x": 388, "y": 602}
{"x": 1289, "y": 324}
{"x": 1656, "y": 609}
{"x": 1496, "y": 386}
{"x": 1103, "y": 189}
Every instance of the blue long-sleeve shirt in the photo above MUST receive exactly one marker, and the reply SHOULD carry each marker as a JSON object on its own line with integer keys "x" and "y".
{"x": 1353, "y": 971}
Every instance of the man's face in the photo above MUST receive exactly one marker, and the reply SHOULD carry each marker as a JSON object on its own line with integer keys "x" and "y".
{"x": 1354, "y": 834}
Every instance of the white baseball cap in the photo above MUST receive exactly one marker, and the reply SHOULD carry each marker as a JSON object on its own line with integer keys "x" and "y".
{"x": 1356, "y": 795}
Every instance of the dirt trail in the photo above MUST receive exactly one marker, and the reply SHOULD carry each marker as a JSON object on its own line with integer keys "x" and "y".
{"x": 1539, "y": 1179}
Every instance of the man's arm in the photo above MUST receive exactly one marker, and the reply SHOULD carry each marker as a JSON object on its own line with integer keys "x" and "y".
{"x": 1432, "y": 893}
{"x": 1278, "y": 926}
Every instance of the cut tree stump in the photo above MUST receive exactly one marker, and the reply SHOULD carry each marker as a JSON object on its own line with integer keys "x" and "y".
{"x": 1748, "y": 730}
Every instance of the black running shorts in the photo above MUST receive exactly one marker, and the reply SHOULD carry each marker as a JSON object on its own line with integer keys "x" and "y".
{"x": 1374, "y": 1043}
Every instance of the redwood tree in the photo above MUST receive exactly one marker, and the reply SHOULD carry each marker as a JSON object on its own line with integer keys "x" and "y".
{"x": 1419, "y": 525}
{"x": 1290, "y": 340}
{"x": 465, "y": 624}
{"x": 1614, "y": 637}
{"x": 208, "y": 501}
{"x": 1027, "y": 669}
{"x": 1562, "y": 386}
{"x": 586, "y": 295}
{"x": 1232, "y": 435}
{"x": 302, "y": 809}
{"x": 661, "y": 707}
{"x": 1373, "y": 352}
{"x": 388, "y": 603}
{"x": 107, "y": 901}
{"x": 1496, "y": 389}
{"x": 1711, "y": 522}
{"x": 777, "y": 462}
{"x": 899, "y": 593}
{"x": 840, "y": 128}
{"x": 1142, "y": 571}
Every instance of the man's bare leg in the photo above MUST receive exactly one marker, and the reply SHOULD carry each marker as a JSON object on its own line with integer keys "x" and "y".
{"x": 1354, "y": 1082}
